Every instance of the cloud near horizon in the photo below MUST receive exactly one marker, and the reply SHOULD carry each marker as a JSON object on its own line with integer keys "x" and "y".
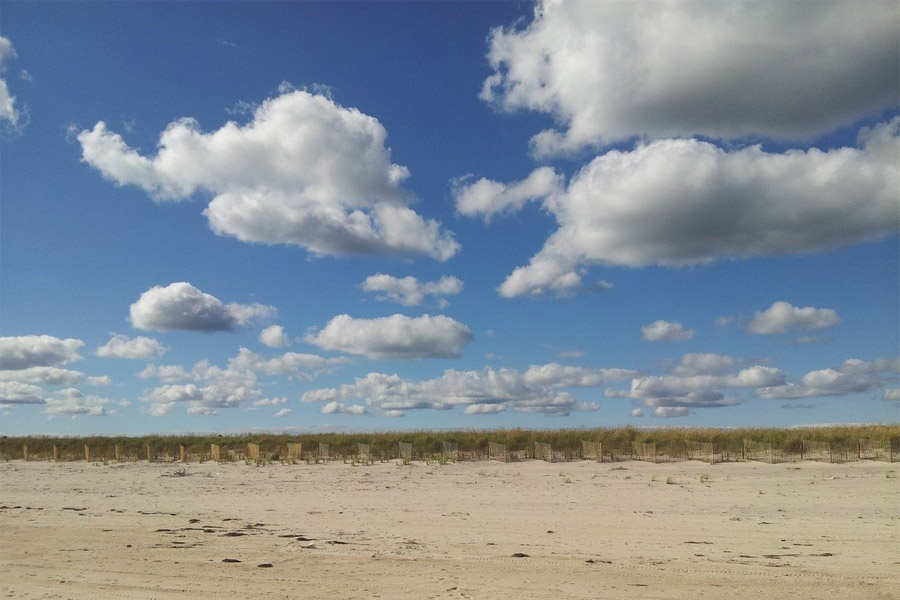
{"x": 854, "y": 376}
{"x": 304, "y": 171}
{"x": 488, "y": 391}
{"x": 615, "y": 71}
{"x": 206, "y": 388}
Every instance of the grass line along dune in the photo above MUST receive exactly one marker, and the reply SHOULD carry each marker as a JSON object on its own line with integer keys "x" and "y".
{"x": 829, "y": 443}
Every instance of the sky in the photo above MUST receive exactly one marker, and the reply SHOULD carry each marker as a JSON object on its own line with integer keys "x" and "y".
{"x": 320, "y": 216}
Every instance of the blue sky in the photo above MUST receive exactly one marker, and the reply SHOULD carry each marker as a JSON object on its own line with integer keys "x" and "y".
{"x": 386, "y": 216}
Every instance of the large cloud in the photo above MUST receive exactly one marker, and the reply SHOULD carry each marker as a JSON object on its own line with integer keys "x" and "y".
{"x": 782, "y": 316}
{"x": 305, "y": 171}
{"x": 180, "y": 305}
{"x": 479, "y": 392}
{"x": 854, "y": 376}
{"x": 26, "y": 351}
{"x": 409, "y": 291}
{"x": 394, "y": 337}
{"x": 685, "y": 202}
{"x": 613, "y": 70}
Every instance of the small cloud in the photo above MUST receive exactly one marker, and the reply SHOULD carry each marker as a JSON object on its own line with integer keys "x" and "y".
{"x": 668, "y": 412}
{"x": 182, "y": 306}
{"x": 637, "y": 412}
{"x": 409, "y": 291}
{"x": 138, "y": 348}
{"x": 283, "y": 413}
{"x": 99, "y": 381}
{"x": 665, "y": 331}
{"x": 274, "y": 337}
{"x": 394, "y": 337}
{"x": 339, "y": 408}
{"x": 782, "y": 317}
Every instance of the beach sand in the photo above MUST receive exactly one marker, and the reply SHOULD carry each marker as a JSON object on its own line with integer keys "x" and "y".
{"x": 480, "y": 530}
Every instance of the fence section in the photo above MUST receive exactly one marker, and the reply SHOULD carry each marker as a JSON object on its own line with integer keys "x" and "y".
{"x": 643, "y": 451}
{"x": 592, "y": 450}
{"x": 543, "y": 451}
{"x": 497, "y": 452}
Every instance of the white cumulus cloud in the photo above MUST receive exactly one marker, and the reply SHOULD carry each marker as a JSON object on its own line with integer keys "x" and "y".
{"x": 394, "y": 337}
{"x": 16, "y": 392}
{"x": 782, "y": 317}
{"x": 26, "y": 351}
{"x": 699, "y": 381}
{"x": 339, "y": 408}
{"x": 409, "y": 291}
{"x": 665, "y": 331}
{"x": 180, "y": 305}
{"x": 304, "y": 171}
{"x": 206, "y": 388}
{"x": 8, "y": 111}
{"x": 615, "y": 70}
{"x": 487, "y": 391}
{"x": 274, "y": 336}
{"x": 854, "y": 376}
{"x": 137, "y": 348}
{"x": 677, "y": 202}
{"x": 71, "y": 402}
{"x": 486, "y": 198}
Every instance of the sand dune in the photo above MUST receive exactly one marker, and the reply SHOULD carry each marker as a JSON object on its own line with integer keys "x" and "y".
{"x": 480, "y": 530}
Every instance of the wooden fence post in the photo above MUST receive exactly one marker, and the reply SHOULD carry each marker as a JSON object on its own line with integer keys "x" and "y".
{"x": 25, "y": 452}
{"x": 181, "y": 452}
{"x": 118, "y": 456}
{"x": 87, "y": 453}
{"x": 148, "y": 452}
{"x": 55, "y": 453}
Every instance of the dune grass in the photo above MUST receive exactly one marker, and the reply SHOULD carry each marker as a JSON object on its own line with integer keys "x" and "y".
{"x": 671, "y": 443}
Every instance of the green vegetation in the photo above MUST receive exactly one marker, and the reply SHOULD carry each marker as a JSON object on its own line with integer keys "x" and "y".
{"x": 670, "y": 443}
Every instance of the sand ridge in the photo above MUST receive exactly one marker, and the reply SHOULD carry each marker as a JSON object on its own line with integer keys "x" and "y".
{"x": 480, "y": 530}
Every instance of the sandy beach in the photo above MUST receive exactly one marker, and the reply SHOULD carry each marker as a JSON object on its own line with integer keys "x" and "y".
{"x": 480, "y": 530}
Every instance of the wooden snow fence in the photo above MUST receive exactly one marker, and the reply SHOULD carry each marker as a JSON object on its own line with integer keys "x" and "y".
{"x": 364, "y": 454}
{"x": 873, "y": 450}
{"x": 704, "y": 451}
{"x": 543, "y": 451}
{"x": 253, "y": 452}
{"x": 405, "y": 450}
{"x": 294, "y": 451}
{"x": 324, "y": 453}
{"x": 813, "y": 450}
{"x": 592, "y": 450}
{"x": 450, "y": 451}
{"x": 215, "y": 453}
{"x": 497, "y": 451}
{"x": 643, "y": 451}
